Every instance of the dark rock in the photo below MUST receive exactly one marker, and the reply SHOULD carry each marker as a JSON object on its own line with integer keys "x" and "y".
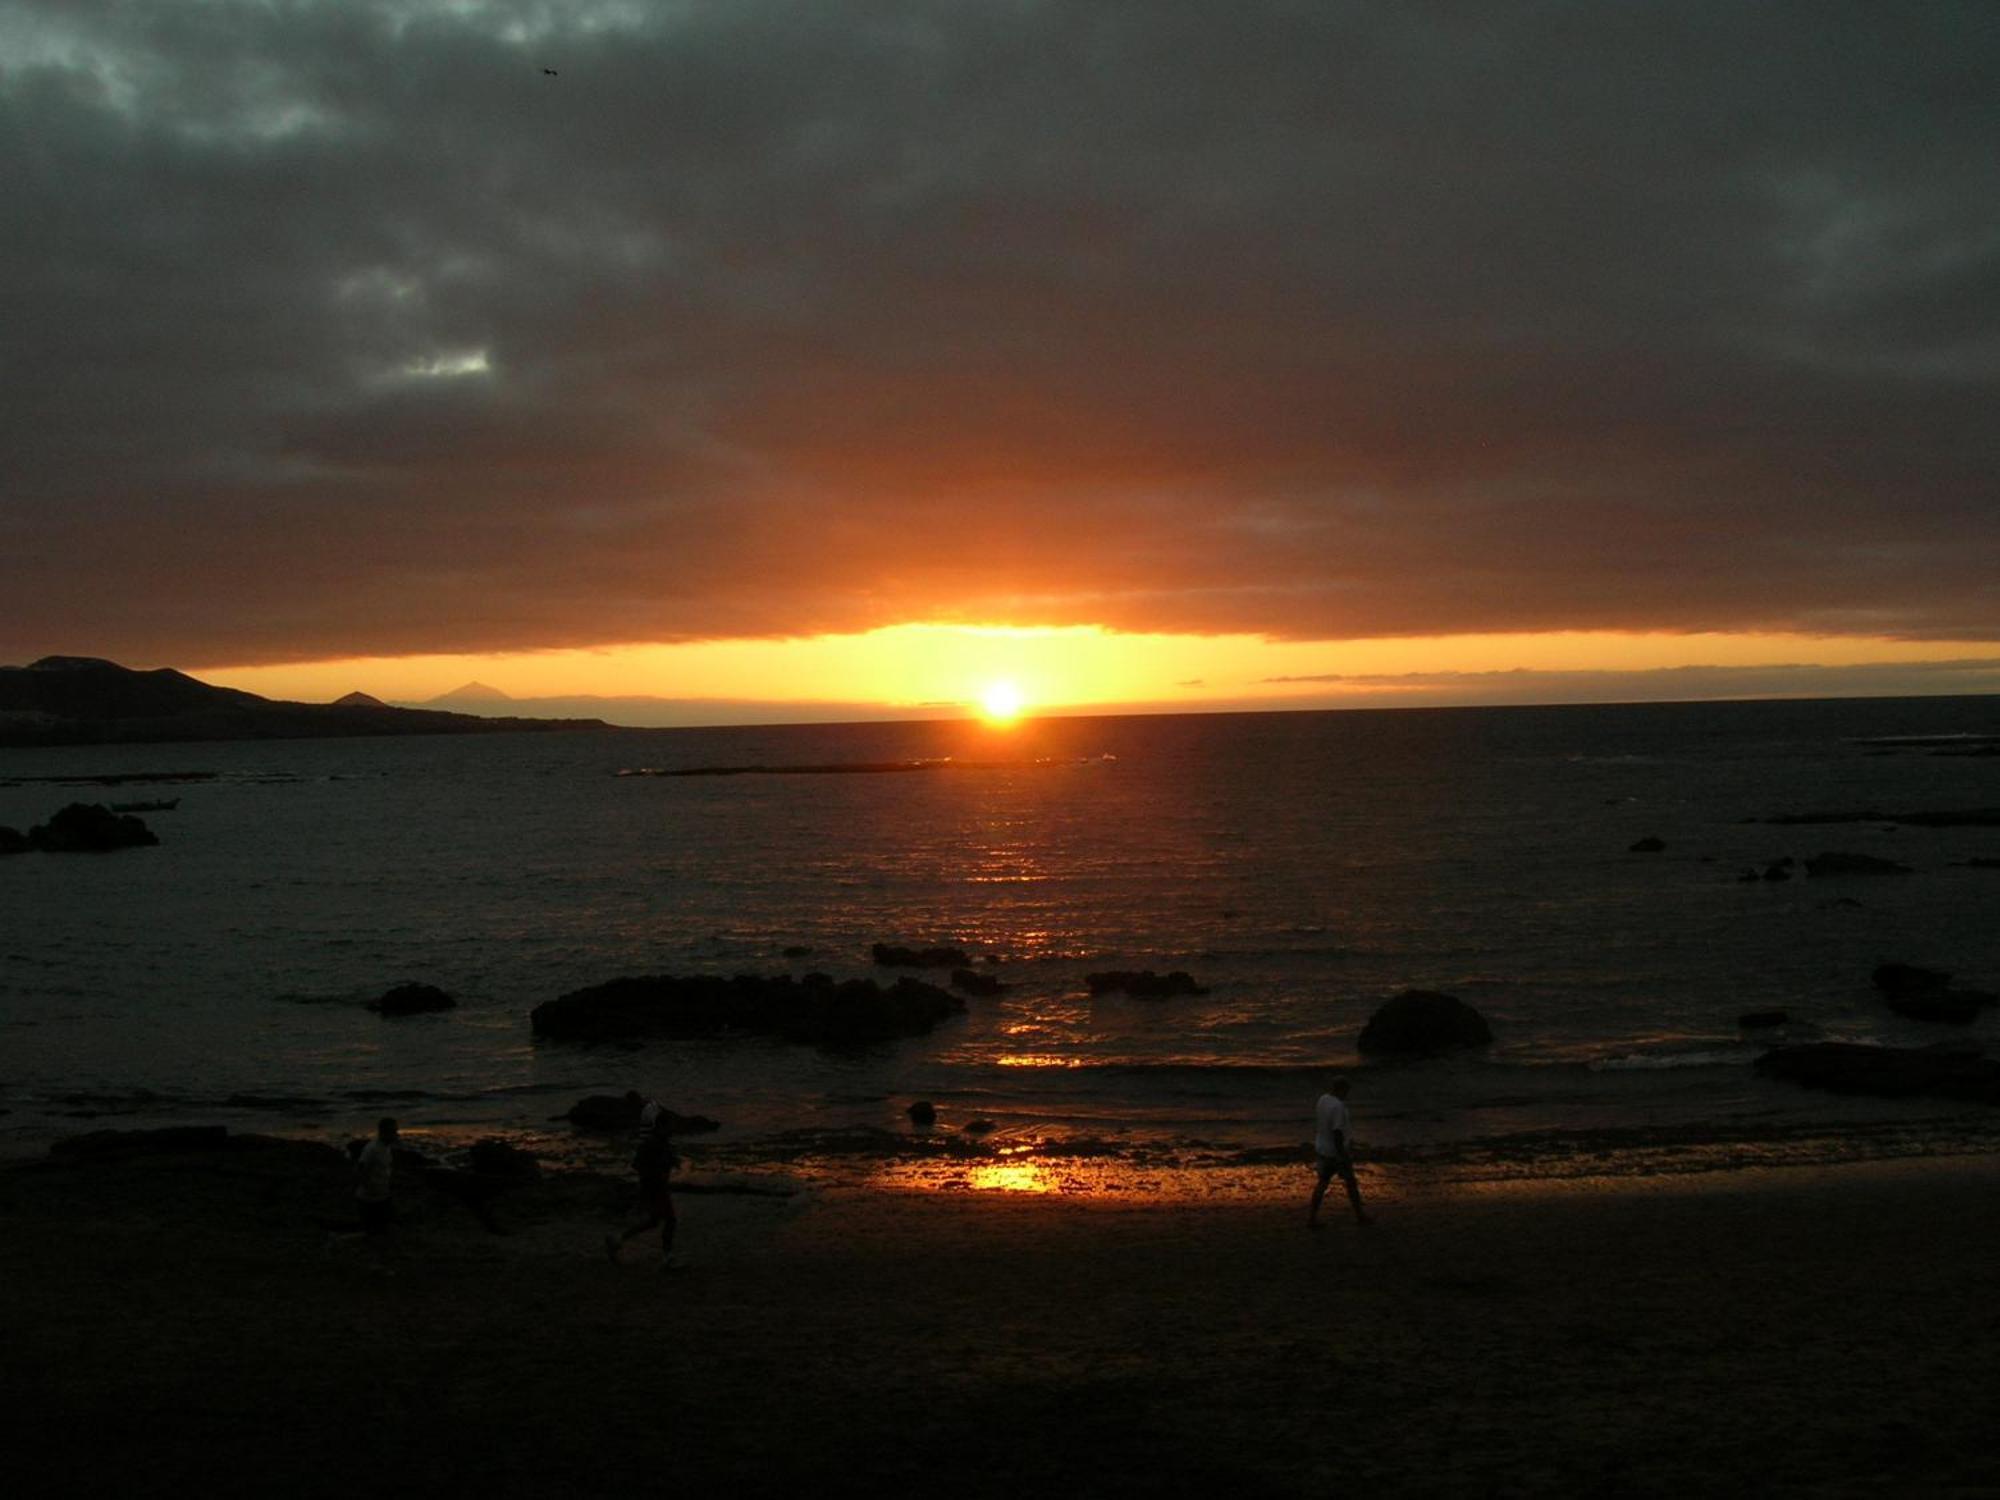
{"x": 1889, "y": 1072}
{"x": 798, "y": 950}
{"x": 1424, "y": 1021}
{"x": 412, "y": 1000}
{"x": 980, "y": 1126}
{"x": 1977, "y": 862}
{"x": 1647, "y": 846}
{"x": 815, "y": 1010}
{"x": 494, "y": 1157}
{"x": 13, "y": 841}
{"x": 892, "y": 957}
{"x": 1778, "y": 870}
{"x": 1836, "y": 863}
{"x": 1752, "y": 1019}
{"x": 620, "y": 1112}
{"x": 923, "y": 1112}
{"x": 1958, "y": 1007}
{"x": 90, "y": 828}
{"x": 101, "y": 1144}
{"x": 1908, "y": 979}
{"x": 975, "y": 983}
{"x": 1144, "y": 984}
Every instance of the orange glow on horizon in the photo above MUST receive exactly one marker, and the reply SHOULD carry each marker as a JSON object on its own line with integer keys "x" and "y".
{"x": 922, "y": 671}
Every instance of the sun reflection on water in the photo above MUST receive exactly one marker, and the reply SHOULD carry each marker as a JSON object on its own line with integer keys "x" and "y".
{"x": 1010, "y": 1177}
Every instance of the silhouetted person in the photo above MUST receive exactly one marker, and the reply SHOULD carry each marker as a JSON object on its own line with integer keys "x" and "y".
{"x": 654, "y": 1161}
{"x": 1334, "y": 1149}
{"x": 373, "y": 1169}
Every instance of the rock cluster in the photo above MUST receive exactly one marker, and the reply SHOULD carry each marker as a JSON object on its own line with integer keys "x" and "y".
{"x": 889, "y": 956}
{"x": 815, "y": 1009}
{"x": 972, "y": 982}
{"x": 80, "y": 828}
{"x": 412, "y": 1000}
{"x": 1144, "y": 984}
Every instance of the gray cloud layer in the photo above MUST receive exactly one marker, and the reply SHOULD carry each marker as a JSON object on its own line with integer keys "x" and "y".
{"x": 337, "y": 328}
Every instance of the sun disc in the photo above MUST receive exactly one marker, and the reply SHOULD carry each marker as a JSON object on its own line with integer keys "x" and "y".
{"x": 1000, "y": 700}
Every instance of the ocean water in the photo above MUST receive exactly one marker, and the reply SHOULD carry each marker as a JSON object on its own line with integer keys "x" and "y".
{"x": 1304, "y": 866}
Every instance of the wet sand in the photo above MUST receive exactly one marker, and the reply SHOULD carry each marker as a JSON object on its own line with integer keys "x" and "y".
{"x": 174, "y": 1322}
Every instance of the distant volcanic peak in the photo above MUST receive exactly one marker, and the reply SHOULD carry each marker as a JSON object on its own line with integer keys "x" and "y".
{"x": 359, "y": 699}
{"x": 473, "y": 692}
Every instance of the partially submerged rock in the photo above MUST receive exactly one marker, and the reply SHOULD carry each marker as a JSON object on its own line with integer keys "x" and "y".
{"x": 1837, "y": 863}
{"x": 1647, "y": 846}
{"x": 1420, "y": 1022}
{"x": 1908, "y": 979}
{"x": 1890, "y": 1072}
{"x": 412, "y": 1000}
{"x": 889, "y": 956}
{"x": 975, "y": 983}
{"x": 13, "y": 841}
{"x": 620, "y": 1112}
{"x": 1144, "y": 984}
{"x": 90, "y": 828}
{"x": 1752, "y": 1020}
{"x": 923, "y": 1112}
{"x": 815, "y": 1009}
{"x": 1927, "y": 995}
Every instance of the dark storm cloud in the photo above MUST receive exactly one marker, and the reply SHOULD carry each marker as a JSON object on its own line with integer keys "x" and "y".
{"x": 338, "y": 328}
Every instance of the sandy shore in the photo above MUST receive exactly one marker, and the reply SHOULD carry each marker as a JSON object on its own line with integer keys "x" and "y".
{"x": 174, "y": 1322}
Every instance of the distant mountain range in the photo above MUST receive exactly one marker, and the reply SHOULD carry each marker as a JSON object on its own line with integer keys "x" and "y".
{"x": 81, "y": 700}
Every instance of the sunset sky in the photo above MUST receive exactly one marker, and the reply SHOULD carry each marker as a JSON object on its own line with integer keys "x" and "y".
{"x": 821, "y": 359}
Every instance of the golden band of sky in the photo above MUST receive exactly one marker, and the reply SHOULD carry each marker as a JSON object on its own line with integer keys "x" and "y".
{"x": 947, "y": 668}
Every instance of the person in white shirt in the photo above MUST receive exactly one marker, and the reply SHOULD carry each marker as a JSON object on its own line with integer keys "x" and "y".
{"x": 1333, "y": 1148}
{"x": 373, "y": 1169}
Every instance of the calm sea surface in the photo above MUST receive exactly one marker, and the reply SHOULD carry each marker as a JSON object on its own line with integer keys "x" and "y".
{"x": 1304, "y": 866}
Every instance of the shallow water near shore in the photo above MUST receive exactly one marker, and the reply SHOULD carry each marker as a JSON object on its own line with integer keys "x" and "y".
{"x": 1302, "y": 866}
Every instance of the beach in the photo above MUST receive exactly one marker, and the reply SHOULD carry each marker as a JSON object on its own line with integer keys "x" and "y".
{"x": 174, "y": 1320}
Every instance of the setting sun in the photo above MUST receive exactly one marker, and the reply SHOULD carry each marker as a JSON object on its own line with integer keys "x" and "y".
{"x": 1000, "y": 701}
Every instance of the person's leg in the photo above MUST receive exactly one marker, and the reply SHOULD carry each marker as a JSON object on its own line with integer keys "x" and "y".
{"x": 1353, "y": 1192}
{"x": 1319, "y": 1193}
{"x": 652, "y": 1221}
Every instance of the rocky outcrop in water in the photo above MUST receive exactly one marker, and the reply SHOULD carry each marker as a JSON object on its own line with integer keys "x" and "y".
{"x": 1891, "y": 1072}
{"x": 1144, "y": 984}
{"x": 13, "y": 841}
{"x": 1927, "y": 994}
{"x": 1423, "y": 1022}
{"x": 972, "y": 982}
{"x": 815, "y": 1010}
{"x": 1647, "y": 846}
{"x": 412, "y": 1000}
{"x": 889, "y": 956}
{"x": 90, "y": 828}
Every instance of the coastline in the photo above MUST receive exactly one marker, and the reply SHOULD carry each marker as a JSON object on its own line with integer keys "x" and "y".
{"x": 1806, "y": 1329}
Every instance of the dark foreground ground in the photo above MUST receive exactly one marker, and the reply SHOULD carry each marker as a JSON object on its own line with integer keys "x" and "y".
{"x": 172, "y": 1325}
